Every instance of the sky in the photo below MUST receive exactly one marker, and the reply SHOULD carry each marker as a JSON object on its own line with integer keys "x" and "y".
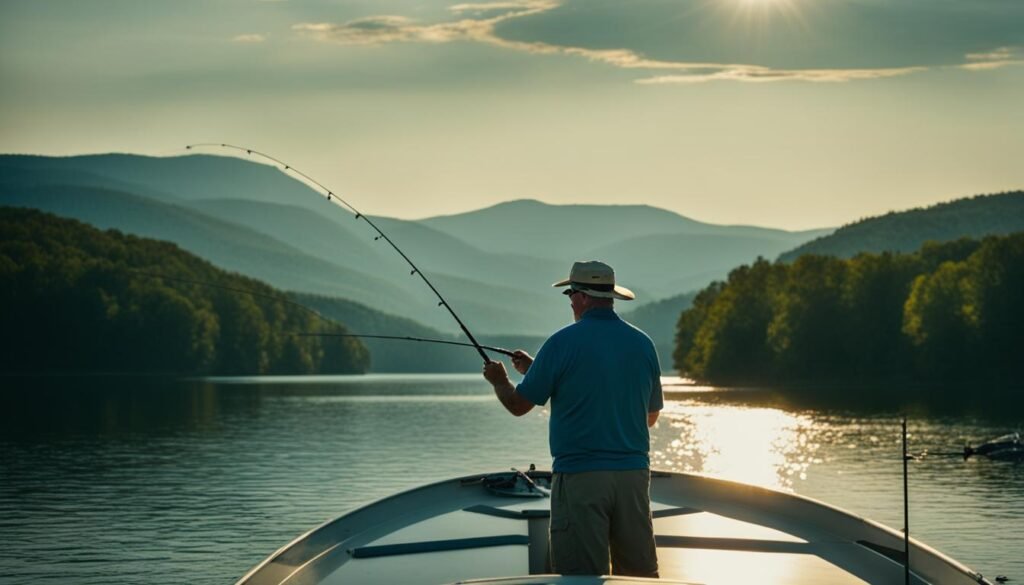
{"x": 794, "y": 114}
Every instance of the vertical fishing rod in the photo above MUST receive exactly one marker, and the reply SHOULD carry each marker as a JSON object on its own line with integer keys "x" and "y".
{"x": 335, "y": 199}
{"x": 906, "y": 510}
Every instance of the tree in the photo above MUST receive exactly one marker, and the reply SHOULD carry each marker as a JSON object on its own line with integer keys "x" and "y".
{"x": 807, "y": 333}
{"x": 942, "y": 322}
{"x": 730, "y": 343}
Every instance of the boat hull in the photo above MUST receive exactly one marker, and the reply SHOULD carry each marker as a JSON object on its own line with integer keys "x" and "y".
{"x": 708, "y": 531}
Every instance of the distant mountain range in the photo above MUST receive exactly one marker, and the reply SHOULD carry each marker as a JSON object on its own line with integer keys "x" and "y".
{"x": 655, "y": 252}
{"x": 905, "y": 231}
{"x": 494, "y": 265}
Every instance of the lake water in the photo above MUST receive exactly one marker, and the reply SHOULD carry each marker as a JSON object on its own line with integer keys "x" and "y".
{"x": 127, "y": 480}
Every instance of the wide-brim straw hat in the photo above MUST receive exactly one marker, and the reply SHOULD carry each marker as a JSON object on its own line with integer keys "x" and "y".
{"x": 595, "y": 279}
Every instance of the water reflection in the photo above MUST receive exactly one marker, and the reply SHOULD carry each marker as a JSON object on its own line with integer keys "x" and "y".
{"x": 853, "y": 459}
{"x": 762, "y": 446}
{"x": 119, "y": 481}
{"x": 70, "y": 407}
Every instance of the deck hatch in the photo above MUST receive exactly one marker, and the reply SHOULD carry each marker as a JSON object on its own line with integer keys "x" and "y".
{"x": 409, "y": 548}
{"x": 506, "y": 513}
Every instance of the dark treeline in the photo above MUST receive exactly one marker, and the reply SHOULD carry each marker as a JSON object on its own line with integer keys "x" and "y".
{"x": 77, "y": 299}
{"x": 948, "y": 313}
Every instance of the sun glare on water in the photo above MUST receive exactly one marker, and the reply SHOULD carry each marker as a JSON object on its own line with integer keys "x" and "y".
{"x": 761, "y": 446}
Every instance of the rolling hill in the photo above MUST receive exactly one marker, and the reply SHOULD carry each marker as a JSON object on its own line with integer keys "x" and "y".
{"x": 658, "y": 320}
{"x": 665, "y": 264}
{"x": 574, "y": 231}
{"x": 227, "y": 245}
{"x": 906, "y": 231}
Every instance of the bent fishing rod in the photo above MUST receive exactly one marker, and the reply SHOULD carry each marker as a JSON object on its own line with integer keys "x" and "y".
{"x": 317, "y": 314}
{"x": 335, "y": 199}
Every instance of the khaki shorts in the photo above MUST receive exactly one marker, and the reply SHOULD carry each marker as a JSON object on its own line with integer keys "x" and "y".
{"x": 601, "y": 524}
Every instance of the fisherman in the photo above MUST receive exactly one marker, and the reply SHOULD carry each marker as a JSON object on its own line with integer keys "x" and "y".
{"x": 603, "y": 379}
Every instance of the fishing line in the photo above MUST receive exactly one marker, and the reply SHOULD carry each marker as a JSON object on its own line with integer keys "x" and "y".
{"x": 500, "y": 350}
{"x": 315, "y": 313}
{"x": 335, "y": 199}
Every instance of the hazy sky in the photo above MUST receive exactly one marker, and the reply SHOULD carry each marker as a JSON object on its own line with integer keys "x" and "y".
{"x": 784, "y": 113}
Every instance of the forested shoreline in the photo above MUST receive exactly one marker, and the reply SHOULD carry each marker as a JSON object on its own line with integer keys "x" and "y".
{"x": 80, "y": 300}
{"x": 947, "y": 314}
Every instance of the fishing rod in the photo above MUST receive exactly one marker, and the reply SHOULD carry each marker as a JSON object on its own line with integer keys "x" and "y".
{"x": 315, "y": 313}
{"x": 500, "y": 350}
{"x": 335, "y": 199}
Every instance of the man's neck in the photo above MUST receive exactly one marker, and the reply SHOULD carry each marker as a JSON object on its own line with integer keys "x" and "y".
{"x": 597, "y": 309}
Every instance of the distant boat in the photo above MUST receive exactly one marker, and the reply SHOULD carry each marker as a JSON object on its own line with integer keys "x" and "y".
{"x": 493, "y": 529}
{"x": 1006, "y": 447}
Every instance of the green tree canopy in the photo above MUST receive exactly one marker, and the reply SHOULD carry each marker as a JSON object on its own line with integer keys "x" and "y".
{"x": 946, "y": 313}
{"x": 77, "y": 299}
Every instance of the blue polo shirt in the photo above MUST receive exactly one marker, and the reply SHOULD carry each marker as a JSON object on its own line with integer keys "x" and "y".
{"x": 602, "y": 377}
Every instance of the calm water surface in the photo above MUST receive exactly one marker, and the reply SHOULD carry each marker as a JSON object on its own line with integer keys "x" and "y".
{"x": 120, "y": 481}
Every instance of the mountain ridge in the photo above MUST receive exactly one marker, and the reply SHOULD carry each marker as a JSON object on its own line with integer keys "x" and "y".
{"x": 907, "y": 230}
{"x": 535, "y": 227}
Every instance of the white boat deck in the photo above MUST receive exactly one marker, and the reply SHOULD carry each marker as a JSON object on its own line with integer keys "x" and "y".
{"x": 708, "y": 531}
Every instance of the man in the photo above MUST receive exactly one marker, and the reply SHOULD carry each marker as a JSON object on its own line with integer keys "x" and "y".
{"x": 602, "y": 377}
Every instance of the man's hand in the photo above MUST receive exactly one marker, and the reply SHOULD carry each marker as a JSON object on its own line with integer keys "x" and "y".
{"x": 652, "y": 417}
{"x": 521, "y": 361}
{"x": 494, "y": 372}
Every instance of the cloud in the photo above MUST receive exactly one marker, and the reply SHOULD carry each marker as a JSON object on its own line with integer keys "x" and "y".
{"x": 765, "y": 75}
{"x": 1000, "y": 54}
{"x": 989, "y": 65}
{"x": 477, "y": 22}
{"x": 377, "y": 30}
{"x": 532, "y": 5}
{"x": 995, "y": 59}
{"x": 249, "y": 38}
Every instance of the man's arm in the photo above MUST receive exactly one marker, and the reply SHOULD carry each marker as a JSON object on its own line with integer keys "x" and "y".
{"x": 513, "y": 402}
{"x": 652, "y": 417}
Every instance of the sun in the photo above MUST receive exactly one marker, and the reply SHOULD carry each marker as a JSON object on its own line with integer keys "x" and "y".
{"x": 766, "y": 5}
{"x": 761, "y": 13}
